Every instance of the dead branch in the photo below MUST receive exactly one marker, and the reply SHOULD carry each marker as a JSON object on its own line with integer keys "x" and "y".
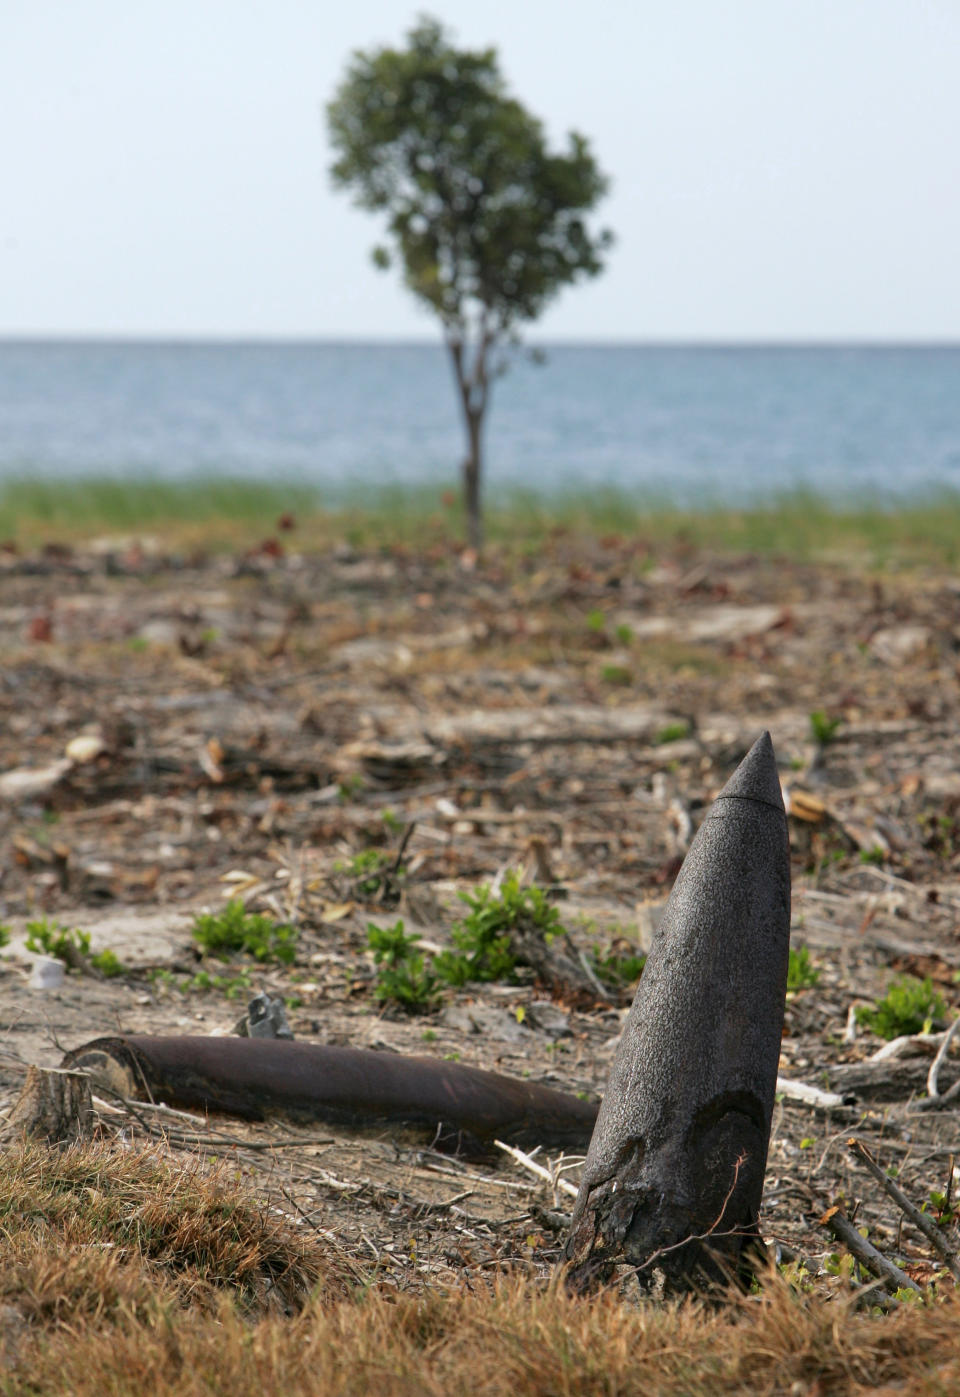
{"x": 922, "y": 1221}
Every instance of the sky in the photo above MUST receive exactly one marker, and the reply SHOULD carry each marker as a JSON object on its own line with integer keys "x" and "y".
{"x": 782, "y": 170}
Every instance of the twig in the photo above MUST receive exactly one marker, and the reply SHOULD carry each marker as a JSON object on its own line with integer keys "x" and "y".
{"x": 810, "y": 1095}
{"x": 866, "y": 1253}
{"x": 922, "y": 1221}
{"x": 897, "y": 1047}
{"x": 548, "y": 1218}
{"x": 932, "y": 1089}
{"x": 712, "y": 1229}
{"x": 395, "y": 867}
{"x": 936, "y": 1103}
{"x": 559, "y": 1185}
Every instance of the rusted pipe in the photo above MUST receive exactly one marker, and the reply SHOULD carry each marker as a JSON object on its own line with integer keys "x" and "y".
{"x": 454, "y": 1106}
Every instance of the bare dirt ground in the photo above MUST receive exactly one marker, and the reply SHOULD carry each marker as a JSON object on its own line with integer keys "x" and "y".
{"x": 258, "y": 721}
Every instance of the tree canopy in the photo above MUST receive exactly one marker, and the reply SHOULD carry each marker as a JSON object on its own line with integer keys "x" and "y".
{"x": 486, "y": 222}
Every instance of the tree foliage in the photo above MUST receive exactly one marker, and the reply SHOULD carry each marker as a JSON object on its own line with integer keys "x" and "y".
{"x": 486, "y": 222}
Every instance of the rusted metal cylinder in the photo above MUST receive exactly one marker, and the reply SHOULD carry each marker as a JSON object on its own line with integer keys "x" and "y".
{"x": 454, "y": 1106}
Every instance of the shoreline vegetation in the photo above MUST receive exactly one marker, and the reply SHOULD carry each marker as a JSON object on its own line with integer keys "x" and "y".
{"x": 223, "y": 513}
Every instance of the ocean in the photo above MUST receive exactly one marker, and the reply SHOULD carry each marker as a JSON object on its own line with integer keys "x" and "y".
{"x": 685, "y": 425}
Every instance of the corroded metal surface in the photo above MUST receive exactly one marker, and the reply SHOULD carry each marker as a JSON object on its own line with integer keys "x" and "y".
{"x": 456, "y": 1106}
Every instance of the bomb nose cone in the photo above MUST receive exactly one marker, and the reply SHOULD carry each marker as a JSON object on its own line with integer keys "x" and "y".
{"x": 756, "y": 777}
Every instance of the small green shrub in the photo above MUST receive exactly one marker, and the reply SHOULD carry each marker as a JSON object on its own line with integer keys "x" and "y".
{"x": 616, "y": 674}
{"x": 403, "y": 975}
{"x": 4, "y": 933}
{"x": 235, "y": 929}
{"x": 909, "y": 1006}
{"x": 619, "y": 968}
{"x": 624, "y": 634}
{"x": 71, "y": 945}
{"x": 483, "y": 938}
{"x": 234, "y": 986}
{"x": 822, "y": 728}
{"x": 597, "y": 621}
{"x": 368, "y": 871}
{"x": 673, "y": 732}
{"x": 802, "y": 974}
{"x": 107, "y": 963}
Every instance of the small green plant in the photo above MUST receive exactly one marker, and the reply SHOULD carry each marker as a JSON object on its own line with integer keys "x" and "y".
{"x": 802, "y": 974}
{"x": 235, "y": 929}
{"x": 909, "y": 1006}
{"x": 673, "y": 732}
{"x": 822, "y": 728}
{"x": 945, "y": 1209}
{"x": 392, "y": 820}
{"x": 876, "y": 855}
{"x": 624, "y": 634}
{"x": 349, "y": 788}
{"x": 367, "y": 870}
{"x": 619, "y": 968}
{"x": 616, "y": 674}
{"x": 483, "y": 938}
{"x": 71, "y": 945}
{"x": 233, "y": 986}
{"x": 403, "y": 975}
{"x": 4, "y": 933}
{"x": 108, "y": 963}
{"x": 597, "y": 621}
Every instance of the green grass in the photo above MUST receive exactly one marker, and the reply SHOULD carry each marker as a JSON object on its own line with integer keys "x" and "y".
{"x": 227, "y": 512}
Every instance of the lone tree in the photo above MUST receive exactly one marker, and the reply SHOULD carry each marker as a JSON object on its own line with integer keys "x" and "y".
{"x": 487, "y": 223}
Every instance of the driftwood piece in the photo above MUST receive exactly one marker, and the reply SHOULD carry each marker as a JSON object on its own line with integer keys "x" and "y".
{"x": 453, "y": 1106}
{"x": 887, "y": 1079}
{"x": 674, "y": 1175}
{"x": 54, "y": 1105}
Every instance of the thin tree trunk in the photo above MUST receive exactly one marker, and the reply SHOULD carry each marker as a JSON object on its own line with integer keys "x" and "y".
{"x": 473, "y": 389}
{"x": 472, "y": 474}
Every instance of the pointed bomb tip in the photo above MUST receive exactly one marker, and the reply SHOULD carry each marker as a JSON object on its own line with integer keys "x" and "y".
{"x": 756, "y": 777}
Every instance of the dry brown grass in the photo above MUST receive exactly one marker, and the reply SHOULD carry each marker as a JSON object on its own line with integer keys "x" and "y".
{"x": 135, "y": 1277}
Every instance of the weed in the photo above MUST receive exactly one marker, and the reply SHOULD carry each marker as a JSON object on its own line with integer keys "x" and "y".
{"x": 403, "y": 975}
{"x": 483, "y": 938}
{"x": 349, "y": 788}
{"x": 619, "y": 968}
{"x": 673, "y": 732}
{"x": 624, "y": 634}
{"x": 909, "y": 1006}
{"x": 940, "y": 1204}
{"x": 616, "y": 674}
{"x": 876, "y": 855}
{"x": 71, "y": 945}
{"x": 368, "y": 871}
{"x": 802, "y": 974}
{"x": 4, "y": 933}
{"x": 597, "y": 621}
{"x": 235, "y": 929}
{"x": 234, "y": 986}
{"x": 392, "y": 821}
{"x": 822, "y": 728}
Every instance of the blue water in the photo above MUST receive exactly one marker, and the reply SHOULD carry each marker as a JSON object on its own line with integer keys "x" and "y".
{"x": 691, "y": 425}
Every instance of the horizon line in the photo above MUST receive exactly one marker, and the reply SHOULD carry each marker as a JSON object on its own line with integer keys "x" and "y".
{"x": 255, "y": 340}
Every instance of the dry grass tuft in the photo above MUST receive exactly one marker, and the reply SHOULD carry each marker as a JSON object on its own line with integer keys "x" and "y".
{"x": 132, "y": 1276}
{"x": 91, "y": 1231}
